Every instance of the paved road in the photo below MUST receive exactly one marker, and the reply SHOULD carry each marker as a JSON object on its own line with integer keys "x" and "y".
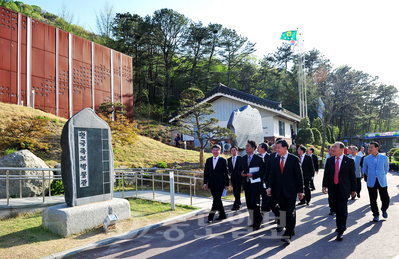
{"x": 315, "y": 236}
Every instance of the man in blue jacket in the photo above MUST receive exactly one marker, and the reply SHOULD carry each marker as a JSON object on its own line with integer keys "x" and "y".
{"x": 376, "y": 167}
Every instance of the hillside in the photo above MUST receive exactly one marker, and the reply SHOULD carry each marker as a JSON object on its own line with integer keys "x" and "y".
{"x": 145, "y": 152}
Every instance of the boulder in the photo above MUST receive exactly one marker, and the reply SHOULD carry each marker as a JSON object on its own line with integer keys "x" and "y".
{"x": 30, "y": 188}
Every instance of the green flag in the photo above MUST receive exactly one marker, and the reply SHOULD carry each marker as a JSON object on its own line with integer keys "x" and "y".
{"x": 288, "y": 35}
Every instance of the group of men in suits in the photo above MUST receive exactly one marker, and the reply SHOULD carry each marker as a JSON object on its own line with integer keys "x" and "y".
{"x": 287, "y": 177}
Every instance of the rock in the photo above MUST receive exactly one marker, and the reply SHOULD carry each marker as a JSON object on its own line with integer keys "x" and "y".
{"x": 30, "y": 188}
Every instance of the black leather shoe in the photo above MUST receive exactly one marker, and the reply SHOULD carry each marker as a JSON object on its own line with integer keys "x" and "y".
{"x": 301, "y": 203}
{"x": 234, "y": 209}
{"x": 331, "y": 213}
{"x": 257, "y": 227}
{"x": 250, "y": 226}
{"x": 286, "y": 240}
{"x": 340, "y": 236}
{"x": 278, "y": 229}
{"x": 221, "y": 218}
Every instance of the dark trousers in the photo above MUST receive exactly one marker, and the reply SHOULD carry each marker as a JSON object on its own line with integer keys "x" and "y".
{"x": 307, "y": 190}
{"x": 341, "y": 209}
{"x": 287, "y": 205}
{"x": 265, "y": 200}
{"x": 237, "y": 193}
{"x": 252, "y": 198}
{"x": 273, "y": 205}
{"x": 358, "y": 185}
{"x": 383, "y": 196}
{"x": 217, "y": 204}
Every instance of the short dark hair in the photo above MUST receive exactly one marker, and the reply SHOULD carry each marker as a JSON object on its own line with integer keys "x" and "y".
{"x": 311, "y": 149}
{"x": 303, "y": 148}
{"x": 236, "y": 148}
{"x": 216, "y": 146}
{"x": 264, "y": 146}
{"x": 277, "y": 139}
{"x": 283, "y": 143}
{"x": 252, "y": 143}
{"x": 375, "y": 144}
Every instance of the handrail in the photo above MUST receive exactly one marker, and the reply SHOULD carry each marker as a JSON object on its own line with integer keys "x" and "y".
{"x": 119, "y": 174}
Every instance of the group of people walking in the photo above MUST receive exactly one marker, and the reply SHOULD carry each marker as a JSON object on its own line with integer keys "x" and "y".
{"x": 280, "y": 177}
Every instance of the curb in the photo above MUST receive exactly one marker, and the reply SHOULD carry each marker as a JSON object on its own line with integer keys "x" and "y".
{"x": 122, "y": 236}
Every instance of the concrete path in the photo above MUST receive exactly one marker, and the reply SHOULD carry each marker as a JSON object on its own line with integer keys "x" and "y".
{"x": 315, "y": 236}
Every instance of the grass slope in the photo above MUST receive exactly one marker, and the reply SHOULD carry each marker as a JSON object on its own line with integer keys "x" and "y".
{"x": 145, "y": 152}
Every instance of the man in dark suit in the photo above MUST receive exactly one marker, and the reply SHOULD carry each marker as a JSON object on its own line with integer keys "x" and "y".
{"x": 235, "y": 176}
{"x": 340, "y": 180}
{"x": 216, "y": 179}
{"x": 272, "y": 200}
{"x": 252, "y": 170}
{"x": 262, "y": 148}
{"x": 315, "y": 164}
{"x": 307, "y": 171}
{"x": 287, "y": 182}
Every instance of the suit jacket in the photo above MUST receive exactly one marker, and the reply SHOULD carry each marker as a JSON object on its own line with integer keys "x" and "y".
{"x": 315, "y": 162}
{"x": 346, "y": 177}
{"x": 256, "y": 161}
{"x": 290, "y": 182}
{"x": 235, "y": 172}
{"x": 307, "y": 167}
{"x": 266, "y": 160}
{"x": 374, "y": 171}
{"x": 218, "y": 177}
{"x": 269, "y": 168}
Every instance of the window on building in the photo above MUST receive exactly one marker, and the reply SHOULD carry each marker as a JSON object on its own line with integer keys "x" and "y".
{"x": 281, "y": 128}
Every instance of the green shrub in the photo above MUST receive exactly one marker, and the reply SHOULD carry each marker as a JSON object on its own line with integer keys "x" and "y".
{"x": 57, "y": 187}
{"x": 9, "y": 151}
{"x": 304, "y": 136}
{"x": 317, "y": 137}
{"x": 162, "y": 165}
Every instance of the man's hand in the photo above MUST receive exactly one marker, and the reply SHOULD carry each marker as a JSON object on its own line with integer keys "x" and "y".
{"x": 300, "y": 196}
{"x": 226, "y": 187}
{"x": 243, "y": 175}
{"x": 205, "y": 187}
{"x": 269, "y": 192}
{"x": 324, "y": 190}
{"x": 249, "y": 175}
{"x": 353, "y": 194}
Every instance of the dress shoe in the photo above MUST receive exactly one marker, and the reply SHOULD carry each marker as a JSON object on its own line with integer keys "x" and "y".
{"x": 250, "y": 226}
{"x": 234, "y": 209}
{"x": 286, "y": 240}
{"x": 221, "y": 218}
{"x": 358, "y": 195}
{"x": 340, "y": 236}
{"x": 353, "y": 197}
{"x": 257, "y": 227}
{"x": 210, "y": 221}
{"x": 307, "y": 204}
{"x": 279, "y": 229}
{"x": 376, "y": 218}
{"x": 331, "y": 213}
{"x": 385, "y": 214}
{"x": 301, "y": 203}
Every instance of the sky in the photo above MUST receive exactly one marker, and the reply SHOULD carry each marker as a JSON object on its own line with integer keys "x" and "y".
{"x": 360, "y": 34}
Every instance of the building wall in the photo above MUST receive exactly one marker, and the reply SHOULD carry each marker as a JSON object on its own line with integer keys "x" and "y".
{"x": 67, "y": 73}
{"x": 225, "y": 106}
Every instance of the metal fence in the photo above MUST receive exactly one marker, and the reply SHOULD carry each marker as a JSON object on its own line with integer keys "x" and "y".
{"x": 171, "y": 177}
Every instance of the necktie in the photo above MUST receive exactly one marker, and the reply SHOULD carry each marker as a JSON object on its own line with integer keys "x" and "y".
{"x": 249, "y": 160}
{"x": 233, "y": 161}
{"x": 282, "y": 164}
{"x": 336, "y": 171}
{"x": 301, "y": 159}
{"x": 214, "y": 162}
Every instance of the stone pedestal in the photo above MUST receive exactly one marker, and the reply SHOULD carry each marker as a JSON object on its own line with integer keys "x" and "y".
{"x": 65, "y": 221}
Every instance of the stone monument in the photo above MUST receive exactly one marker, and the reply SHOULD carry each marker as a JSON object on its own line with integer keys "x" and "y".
{"x": 87, "y": 170}
{"x": 246, "y": 123}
